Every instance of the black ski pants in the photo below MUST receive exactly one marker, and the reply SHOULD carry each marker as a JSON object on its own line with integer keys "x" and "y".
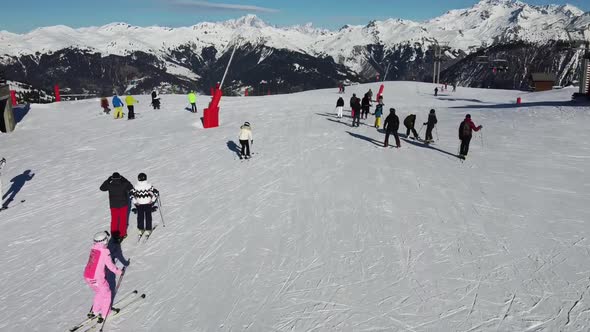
{"x": 429, "y": 133}
{"x": 131, "y": 113}
{"x": 144, "y": 217}
{"x": 465, "y": 146}
{"x": 413, "y": 132}
{"x": 366, "y": 112}
{"x": 395, "y": 134}
{"x": 357, "y": 118}
{"x": 245, "y": 147}
{"x": 193, "y": 107}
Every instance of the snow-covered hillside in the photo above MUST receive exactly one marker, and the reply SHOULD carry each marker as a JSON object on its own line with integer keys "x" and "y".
{"x": 485, "y": 22}
{"x": 323, "y": 229}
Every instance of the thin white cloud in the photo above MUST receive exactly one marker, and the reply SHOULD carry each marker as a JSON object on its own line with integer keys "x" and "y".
{"x": 204, "y": 5}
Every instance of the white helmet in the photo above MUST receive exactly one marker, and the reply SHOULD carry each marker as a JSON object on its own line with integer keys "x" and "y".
{"x": 102, "y": 237}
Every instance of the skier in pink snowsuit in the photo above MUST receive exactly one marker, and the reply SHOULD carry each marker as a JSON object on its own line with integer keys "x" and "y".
{"x": 94, "y": 274}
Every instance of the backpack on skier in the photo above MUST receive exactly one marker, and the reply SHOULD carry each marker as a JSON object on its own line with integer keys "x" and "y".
{"x": 464, "y": 130}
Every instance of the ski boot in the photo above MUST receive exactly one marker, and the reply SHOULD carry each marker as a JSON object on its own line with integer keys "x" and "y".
{"x": 100, "y": 319}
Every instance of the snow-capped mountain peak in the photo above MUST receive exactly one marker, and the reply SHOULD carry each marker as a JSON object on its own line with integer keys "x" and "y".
{"x": 250, "y": 20}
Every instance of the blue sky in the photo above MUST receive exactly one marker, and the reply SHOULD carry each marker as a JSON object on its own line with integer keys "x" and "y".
{"x": 26, "y": 15}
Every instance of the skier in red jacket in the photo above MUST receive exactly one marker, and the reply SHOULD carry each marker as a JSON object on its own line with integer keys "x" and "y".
{"x": 466, "y": 129}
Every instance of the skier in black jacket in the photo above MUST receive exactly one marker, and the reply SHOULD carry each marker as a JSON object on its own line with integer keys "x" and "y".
{"x": 118, "y": 188}
{"x": 432, "y": 121}
{"x": 339, "y": 107}
{"x": 409, "y": 123}
{"x": 391, "y": 127}
{"x": 366, "y": 105}
{"x": 155, "y": 100}
{"x": 356, "y": 112}
{"x": 352, "y": 99}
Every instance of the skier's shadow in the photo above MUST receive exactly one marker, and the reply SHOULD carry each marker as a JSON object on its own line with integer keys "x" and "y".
{"x": 428, "y": 146}
{"x": 365, "y": 138}
{"x": 338, "y": 121}
{"x": 232, "y": 146}
{"x": 17, "y": 184}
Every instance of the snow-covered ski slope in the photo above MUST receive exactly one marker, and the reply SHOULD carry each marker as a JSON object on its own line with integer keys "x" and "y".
{"x": 322, "y": 230}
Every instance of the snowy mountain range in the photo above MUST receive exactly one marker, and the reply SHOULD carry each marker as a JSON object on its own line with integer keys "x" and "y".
{"x": 357, "y": 52}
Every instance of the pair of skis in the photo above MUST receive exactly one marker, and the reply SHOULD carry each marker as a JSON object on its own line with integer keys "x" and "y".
{"x": 146, "y": 236}
{"x": 126, "y": 301}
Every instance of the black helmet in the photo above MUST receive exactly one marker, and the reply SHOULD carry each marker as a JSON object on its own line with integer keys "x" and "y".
{"x": 116, "y": 176}
{"x": 392, "y": 110}
{"x": 247, "y": 124}
{"x": 432, "y": 111}
{"x": 142, "y": 177}
{"x": 468, "y": 116}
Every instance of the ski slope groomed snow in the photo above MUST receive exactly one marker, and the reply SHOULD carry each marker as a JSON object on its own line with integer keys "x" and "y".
{"x": 322, "y": 230}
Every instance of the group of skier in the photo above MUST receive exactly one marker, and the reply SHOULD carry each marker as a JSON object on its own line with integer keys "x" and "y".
{"x": 143, "y": 197}
{"x": 118, "y": 105}
{"x": 360, "y": 109}
{"x": 130, "y": 101}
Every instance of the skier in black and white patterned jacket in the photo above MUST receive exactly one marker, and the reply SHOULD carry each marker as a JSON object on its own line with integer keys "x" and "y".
{"x": 2, "y": 163}
{"x": 144, "y": 196}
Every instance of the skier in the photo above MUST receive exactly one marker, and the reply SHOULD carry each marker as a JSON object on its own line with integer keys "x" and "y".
{"x": 391, "y": 127}
{"x": 370, "y": 94}
{"x": 432, "y": 121}
{"x": 118, "y": 188}
{"x": 339, "y": 107}
{"x": 454, "y": 87}
{"x": 465, "y": 132}
{"x": 245, "y": 140}
{"x": 130, "y": 107}
{"x": 143, "y": 197}
{"x": 94, "y": 275}
{"x": 192, "y": 98}
{"x": 155, "y": 100}
{"x": 409, "y": 123}
{"x": 118, "y": 105}
{"x": 436, "y": 92}
{"x": 104, "y": 103}
{"x": 366, "y": 105}
{"x": 2, "y": 163}
{"x": 352, "y": 100}
{"x": 356, "y": 112}
{"x": 378, "y": 113}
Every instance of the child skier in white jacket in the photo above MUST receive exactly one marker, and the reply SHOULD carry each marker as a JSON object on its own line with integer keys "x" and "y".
{"x": 245, "y": 140}
{"x": 144, "y": 196}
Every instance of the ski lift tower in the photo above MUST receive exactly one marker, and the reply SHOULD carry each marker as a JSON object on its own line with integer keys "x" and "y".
{"x": 438, "y": 59}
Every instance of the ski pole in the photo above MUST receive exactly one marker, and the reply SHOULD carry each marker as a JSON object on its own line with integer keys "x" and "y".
{"x": 161, "y": 215}
{"x": 116, "y": 291}
{"x": 420, "y": 132}
{"x": 481, "y": 135}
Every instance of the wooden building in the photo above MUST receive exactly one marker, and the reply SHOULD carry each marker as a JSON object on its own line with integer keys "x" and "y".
{"x": 542, "y": 81}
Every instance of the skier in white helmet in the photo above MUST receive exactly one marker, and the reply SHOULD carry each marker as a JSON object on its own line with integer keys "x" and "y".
{"x": 94, "y": 274}
{"x": 245, "y": 140}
